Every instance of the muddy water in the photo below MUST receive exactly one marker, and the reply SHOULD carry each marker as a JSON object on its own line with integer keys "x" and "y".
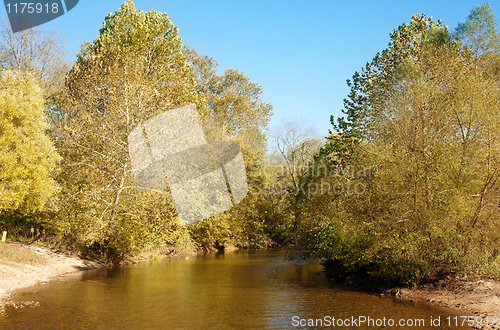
{"x": 238, "y": 290}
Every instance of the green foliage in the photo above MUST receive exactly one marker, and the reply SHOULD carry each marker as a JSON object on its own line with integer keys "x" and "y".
{"x": 427, "y": 117}
{"x": 27, "y": 156}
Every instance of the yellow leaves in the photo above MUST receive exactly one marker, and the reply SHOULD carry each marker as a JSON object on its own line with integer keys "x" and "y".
{"x": 27, "y": 156}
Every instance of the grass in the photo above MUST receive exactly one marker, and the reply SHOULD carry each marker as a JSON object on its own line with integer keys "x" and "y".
{"x": 11, "y": 253}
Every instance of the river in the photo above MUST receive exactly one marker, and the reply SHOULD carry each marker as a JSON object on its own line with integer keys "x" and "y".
{"x": 235, "y": 290}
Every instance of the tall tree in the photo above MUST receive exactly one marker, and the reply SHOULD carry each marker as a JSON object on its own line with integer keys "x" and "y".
{"x": 297, "y": 145}
{"x": 131, "y": 72}
{"x": 234, "y": 112}
{"x": 426, "y": 115}
{"x": 27, "y": 156}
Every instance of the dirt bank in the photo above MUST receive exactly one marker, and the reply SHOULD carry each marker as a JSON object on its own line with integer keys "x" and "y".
{"x": 477, "y": 297}
{"x": 24, "y": 266}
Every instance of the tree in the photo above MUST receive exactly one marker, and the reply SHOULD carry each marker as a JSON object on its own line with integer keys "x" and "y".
{"x": 40, "y": 53}
{"x": 234, "y": 108}
{"x": 134, "y": 70}
{"x": 426, "y": 115}
{"x": 480, "y": 30}
{"x": 234, "y": 112}
{"x": 296, "y": 144}
{"x": 27, "y": 156}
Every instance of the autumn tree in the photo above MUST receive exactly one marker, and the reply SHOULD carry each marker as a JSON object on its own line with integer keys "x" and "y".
{"x": 132, "y": 71}
{"x": 234, "y": 109}
{"x": 27, "y": 155}
{"x": 293, "y": 145}
{"x": 234, "y": 112}
{"x": 480, "y": 34}
{"x": 427, "y": 117}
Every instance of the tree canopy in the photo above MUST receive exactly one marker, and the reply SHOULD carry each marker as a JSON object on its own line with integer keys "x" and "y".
{"x": 426, "y": 116}
{"x": 132, "y": 71}
{"x": 41, "y": 54}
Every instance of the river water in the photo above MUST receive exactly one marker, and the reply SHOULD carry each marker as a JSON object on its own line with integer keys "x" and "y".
{"x": 236, "y": 290}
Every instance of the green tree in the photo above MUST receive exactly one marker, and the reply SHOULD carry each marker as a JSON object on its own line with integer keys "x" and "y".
{"x": 134, "y": 70}
{"x": 427, "y": 117}
{"x": 480, "y": 30}
{"x": 27, "y": 156}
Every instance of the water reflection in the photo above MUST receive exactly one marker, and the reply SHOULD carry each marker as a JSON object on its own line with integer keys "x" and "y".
{"x": 243, "y": 289}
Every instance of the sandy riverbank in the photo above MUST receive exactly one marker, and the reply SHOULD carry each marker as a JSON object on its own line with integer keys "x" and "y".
{"x": 15, "y": 275}
{"x": 477, "y": 297}
{"x": 21, "y": 271}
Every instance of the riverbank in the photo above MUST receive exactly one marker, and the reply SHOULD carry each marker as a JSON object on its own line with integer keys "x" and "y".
{"x": 477, "y": 297}
{"x": 23, "y": 266}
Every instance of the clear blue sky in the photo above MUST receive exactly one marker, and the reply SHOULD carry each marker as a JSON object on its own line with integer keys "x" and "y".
{"x": 300, "y": 52}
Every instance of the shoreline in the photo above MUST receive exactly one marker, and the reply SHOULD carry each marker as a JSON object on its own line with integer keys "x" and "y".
{"x": 477, "y": 297}
{"x": 15, "y": 276}
{"x": 472, "y": 295}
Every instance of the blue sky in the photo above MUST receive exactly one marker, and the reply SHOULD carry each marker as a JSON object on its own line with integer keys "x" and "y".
{"x": 300, "y": 52}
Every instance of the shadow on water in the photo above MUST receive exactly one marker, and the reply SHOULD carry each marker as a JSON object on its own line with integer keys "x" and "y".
{"x": 237, "y": 290}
